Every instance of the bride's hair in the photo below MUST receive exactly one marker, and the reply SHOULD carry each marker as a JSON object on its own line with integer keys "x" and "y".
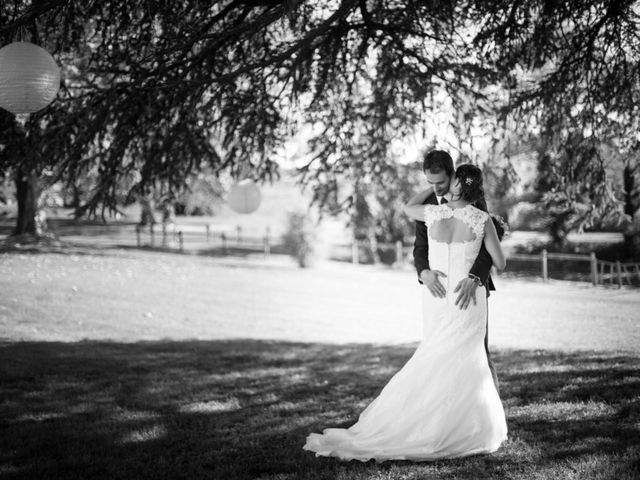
{"x": 471, "y": 190}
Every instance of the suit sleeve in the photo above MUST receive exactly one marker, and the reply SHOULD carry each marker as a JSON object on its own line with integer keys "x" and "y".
{"x": 421, "y": 249}
{"x": 482, "y": 266}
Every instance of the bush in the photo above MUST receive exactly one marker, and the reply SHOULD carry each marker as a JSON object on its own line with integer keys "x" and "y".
{"x": 525, "y": 216}
{"x": 298, "y": 238}
{"x": 203, "y": 196}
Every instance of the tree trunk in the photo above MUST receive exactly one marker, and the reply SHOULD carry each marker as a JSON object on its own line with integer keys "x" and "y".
{"x": 558, "y": 230}
{"x": 631, "y": 207}
{"x": 77, "y": 202}
{"x": 631, "y": 235}
{"x": 147, "y": 213}
{"x": 27, "y": 193}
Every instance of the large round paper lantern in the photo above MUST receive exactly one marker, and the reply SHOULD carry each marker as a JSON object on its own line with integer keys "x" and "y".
{"x": 29, "y": 78}
{"x": 244, "y": 196}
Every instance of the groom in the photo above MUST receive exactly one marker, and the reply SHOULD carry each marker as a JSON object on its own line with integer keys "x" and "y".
{"x": 438, "y": 167}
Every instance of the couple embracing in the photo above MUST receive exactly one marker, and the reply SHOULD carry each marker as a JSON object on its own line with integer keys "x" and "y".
{"x": 444, "y": 402}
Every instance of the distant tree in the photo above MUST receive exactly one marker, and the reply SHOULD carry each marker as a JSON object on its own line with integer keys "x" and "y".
{"x": 551, "y": 208}
{"x": 202, "y": 195}
{"x": 391, "y": 224}
{"x": 631, "y": 186}
{"x": 570, "y": 178}
{"x": 499, "y": 179}
{"x": 6, "y": 192}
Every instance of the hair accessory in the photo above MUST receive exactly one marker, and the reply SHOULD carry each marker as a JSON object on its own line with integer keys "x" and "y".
{"x": 468, "y": 181}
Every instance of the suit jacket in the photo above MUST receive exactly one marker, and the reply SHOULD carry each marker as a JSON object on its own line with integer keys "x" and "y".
{"x": 481, "y": 267}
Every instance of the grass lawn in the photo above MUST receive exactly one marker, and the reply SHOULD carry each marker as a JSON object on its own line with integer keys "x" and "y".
{"x": 134, "y": 364}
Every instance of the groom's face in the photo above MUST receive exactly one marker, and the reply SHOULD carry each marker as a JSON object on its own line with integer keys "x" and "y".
{"x": 439, "y": 181}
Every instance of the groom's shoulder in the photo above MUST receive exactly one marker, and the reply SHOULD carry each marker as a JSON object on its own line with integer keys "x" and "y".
{"x": 431, "y": 199}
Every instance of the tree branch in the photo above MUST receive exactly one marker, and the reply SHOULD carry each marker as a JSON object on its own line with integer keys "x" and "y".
{"x": 31, "y": 14}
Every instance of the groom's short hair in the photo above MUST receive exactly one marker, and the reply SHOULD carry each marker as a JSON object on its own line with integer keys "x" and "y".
{"x": 437, "y": 160}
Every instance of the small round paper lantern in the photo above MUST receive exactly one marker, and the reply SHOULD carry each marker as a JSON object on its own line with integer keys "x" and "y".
{"x": 244, "y": 196}
{"x": 29, "y": 78}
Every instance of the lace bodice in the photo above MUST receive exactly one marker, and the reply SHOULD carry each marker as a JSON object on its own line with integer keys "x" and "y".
{"x": 455, "y": 258}
{"x": 472, "y": 216}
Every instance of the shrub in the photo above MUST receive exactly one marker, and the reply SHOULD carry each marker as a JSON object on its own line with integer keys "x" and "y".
{"x": 298, "y": 237}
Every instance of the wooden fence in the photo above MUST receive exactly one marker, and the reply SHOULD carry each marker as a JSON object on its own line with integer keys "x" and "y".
{"x": 206, "y": 236}
{"x": 602, "y": 272}
{"x": 619, "y": 273}
{"x": 544, "y": 257}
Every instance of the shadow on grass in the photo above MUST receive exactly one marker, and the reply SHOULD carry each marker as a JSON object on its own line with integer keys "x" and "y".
{"x": 242, "y": 409}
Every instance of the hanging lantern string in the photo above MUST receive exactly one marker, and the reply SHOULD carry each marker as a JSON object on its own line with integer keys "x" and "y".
{"x": 24, "y": 33}
{"x": 35, "y": 38}
{"x": 18, "y": 34}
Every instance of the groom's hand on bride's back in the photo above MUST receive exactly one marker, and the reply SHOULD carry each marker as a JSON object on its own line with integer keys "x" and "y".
{"x": 467, "y": 288}
{"x": 432, "y": 282}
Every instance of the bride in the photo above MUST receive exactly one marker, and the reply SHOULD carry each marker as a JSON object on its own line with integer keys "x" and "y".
{"x": 443, "y": 402}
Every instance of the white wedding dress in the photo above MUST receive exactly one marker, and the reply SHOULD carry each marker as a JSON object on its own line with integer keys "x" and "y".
{"x": 443, "y": 402}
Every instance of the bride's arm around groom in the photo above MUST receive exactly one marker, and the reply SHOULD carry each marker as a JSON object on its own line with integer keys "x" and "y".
{"x": 492, "y": 243}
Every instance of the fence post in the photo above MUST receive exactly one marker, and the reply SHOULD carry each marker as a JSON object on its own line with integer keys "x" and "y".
{"x": 594, "y": 268}
{"x": 267, "y": 244}
{"x": 152, "y": 235}
{"x": 180, "y": 240}
{"x": 208, "y": 232}
{"x": 545, "y": 270}
{"x": 399, "y": 255}
{"x": 138, "y": 235}
{"x": 611, "y": 275}
{"x": 627, "y": 273}
{"x": 164, "y": 234}
{"x": 239, "y": 233}
{"x": 223, "y": 237}
{"x": 619, "y": 273}
{"x": 354, "y": 252}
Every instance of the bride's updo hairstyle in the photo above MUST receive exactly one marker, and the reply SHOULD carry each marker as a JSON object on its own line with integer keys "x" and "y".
{"x": 470, "y": 178}
{"x": 471, "y": 190}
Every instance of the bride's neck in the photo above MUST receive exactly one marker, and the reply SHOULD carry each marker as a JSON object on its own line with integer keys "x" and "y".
{"x": 458, "y": 202}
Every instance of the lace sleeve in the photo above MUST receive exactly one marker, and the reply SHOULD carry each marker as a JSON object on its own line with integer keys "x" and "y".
{"x": 429, "y": 214}
{"x": 477, "y": 219}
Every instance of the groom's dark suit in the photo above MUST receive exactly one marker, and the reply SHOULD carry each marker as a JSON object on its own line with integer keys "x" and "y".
{"x": 481, "y": 268}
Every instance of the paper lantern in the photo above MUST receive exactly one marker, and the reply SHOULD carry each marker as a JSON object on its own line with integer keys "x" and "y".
{"x": 29, "y": 78}
{"x": 244, "y": 196}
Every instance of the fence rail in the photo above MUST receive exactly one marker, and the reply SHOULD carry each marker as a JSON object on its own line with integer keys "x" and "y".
{"x": 601, "y": 271}
{"x": 544, "y": 257}
{"x": 618, "y": 273}
{"x": 225, "y": 237}
{"x": 623, "y": 272}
